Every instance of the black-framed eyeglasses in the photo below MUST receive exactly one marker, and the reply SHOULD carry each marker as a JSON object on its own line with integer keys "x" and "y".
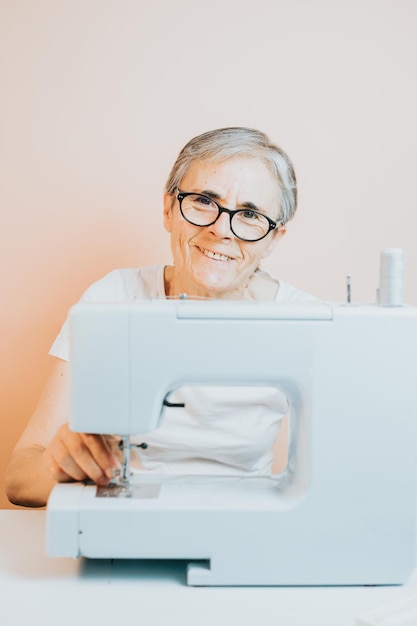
{"x": 245, "y": 224}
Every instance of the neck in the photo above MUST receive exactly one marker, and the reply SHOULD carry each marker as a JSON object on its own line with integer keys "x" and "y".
{"x": 260, "y": 286}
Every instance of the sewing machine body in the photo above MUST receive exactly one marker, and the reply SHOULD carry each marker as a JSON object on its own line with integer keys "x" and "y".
{"x": 344, "y": 510}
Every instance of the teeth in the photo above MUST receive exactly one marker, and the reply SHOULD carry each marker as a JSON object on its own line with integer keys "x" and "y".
{"x": 214, "y": 255}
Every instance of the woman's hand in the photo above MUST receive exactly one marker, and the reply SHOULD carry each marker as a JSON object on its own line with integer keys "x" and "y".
{"x": 79, "y": 456}
{"x": 48, "y": 452}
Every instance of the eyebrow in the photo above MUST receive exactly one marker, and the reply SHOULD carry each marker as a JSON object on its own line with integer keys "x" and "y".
{"x": 246, "y": 205}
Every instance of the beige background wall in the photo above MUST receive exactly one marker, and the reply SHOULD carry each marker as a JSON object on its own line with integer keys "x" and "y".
{"x": 97, "y": 98}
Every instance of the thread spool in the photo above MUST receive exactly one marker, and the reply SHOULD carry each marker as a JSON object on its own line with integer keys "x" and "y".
{"x": 391, "y": 277}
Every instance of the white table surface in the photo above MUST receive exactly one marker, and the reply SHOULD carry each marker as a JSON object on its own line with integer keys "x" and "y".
{"x": 36, "y": 589}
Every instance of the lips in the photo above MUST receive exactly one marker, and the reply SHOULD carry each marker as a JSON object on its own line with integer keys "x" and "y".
{"x": 215, "y": 255}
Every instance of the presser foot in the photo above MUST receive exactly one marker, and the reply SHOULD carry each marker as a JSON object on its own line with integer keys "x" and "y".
{"x": 120, "y": 486}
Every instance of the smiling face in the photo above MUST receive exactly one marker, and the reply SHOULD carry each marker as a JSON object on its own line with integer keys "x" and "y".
{"x": 209, "y": 261}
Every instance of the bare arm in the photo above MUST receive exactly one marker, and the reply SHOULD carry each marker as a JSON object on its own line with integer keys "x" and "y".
{"x": 48, "y": 452}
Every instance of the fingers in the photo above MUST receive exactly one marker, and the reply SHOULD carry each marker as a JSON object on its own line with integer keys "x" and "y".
{"x": 79, "y": 456}
{"x": 96, "y": 447}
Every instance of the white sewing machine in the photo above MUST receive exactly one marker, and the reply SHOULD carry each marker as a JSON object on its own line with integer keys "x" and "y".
{"x": 343, "y": 512}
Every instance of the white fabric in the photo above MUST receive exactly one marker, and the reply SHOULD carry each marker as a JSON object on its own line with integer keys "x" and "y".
{"x": 221, "y": 430}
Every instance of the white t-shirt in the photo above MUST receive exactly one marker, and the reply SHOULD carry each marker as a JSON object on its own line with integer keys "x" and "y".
{"x": 221, "y": 430}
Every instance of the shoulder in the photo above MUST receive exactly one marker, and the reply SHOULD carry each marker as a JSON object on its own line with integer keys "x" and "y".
{"x": 281, "y": 291}
{"x": 127, "y": 284}
{"x": 288, "y": 293}
{"x": 121, "y": 285}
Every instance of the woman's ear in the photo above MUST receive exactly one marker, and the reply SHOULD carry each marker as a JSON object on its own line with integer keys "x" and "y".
{"x": 169, "y": 200}
{"x": 274, "y": 240}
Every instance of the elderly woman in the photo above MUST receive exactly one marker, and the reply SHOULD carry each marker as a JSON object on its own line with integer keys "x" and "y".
{"x": 226, "y": 204}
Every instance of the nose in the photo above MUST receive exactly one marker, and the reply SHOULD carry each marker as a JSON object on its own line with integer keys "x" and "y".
{"x": 221, "y": 227}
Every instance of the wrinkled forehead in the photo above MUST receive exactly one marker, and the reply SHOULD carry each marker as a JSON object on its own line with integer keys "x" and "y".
{"x": 240, "y": 179}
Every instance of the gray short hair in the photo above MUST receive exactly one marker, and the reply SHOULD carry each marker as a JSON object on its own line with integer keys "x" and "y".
{"x": 225, "y": 143}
